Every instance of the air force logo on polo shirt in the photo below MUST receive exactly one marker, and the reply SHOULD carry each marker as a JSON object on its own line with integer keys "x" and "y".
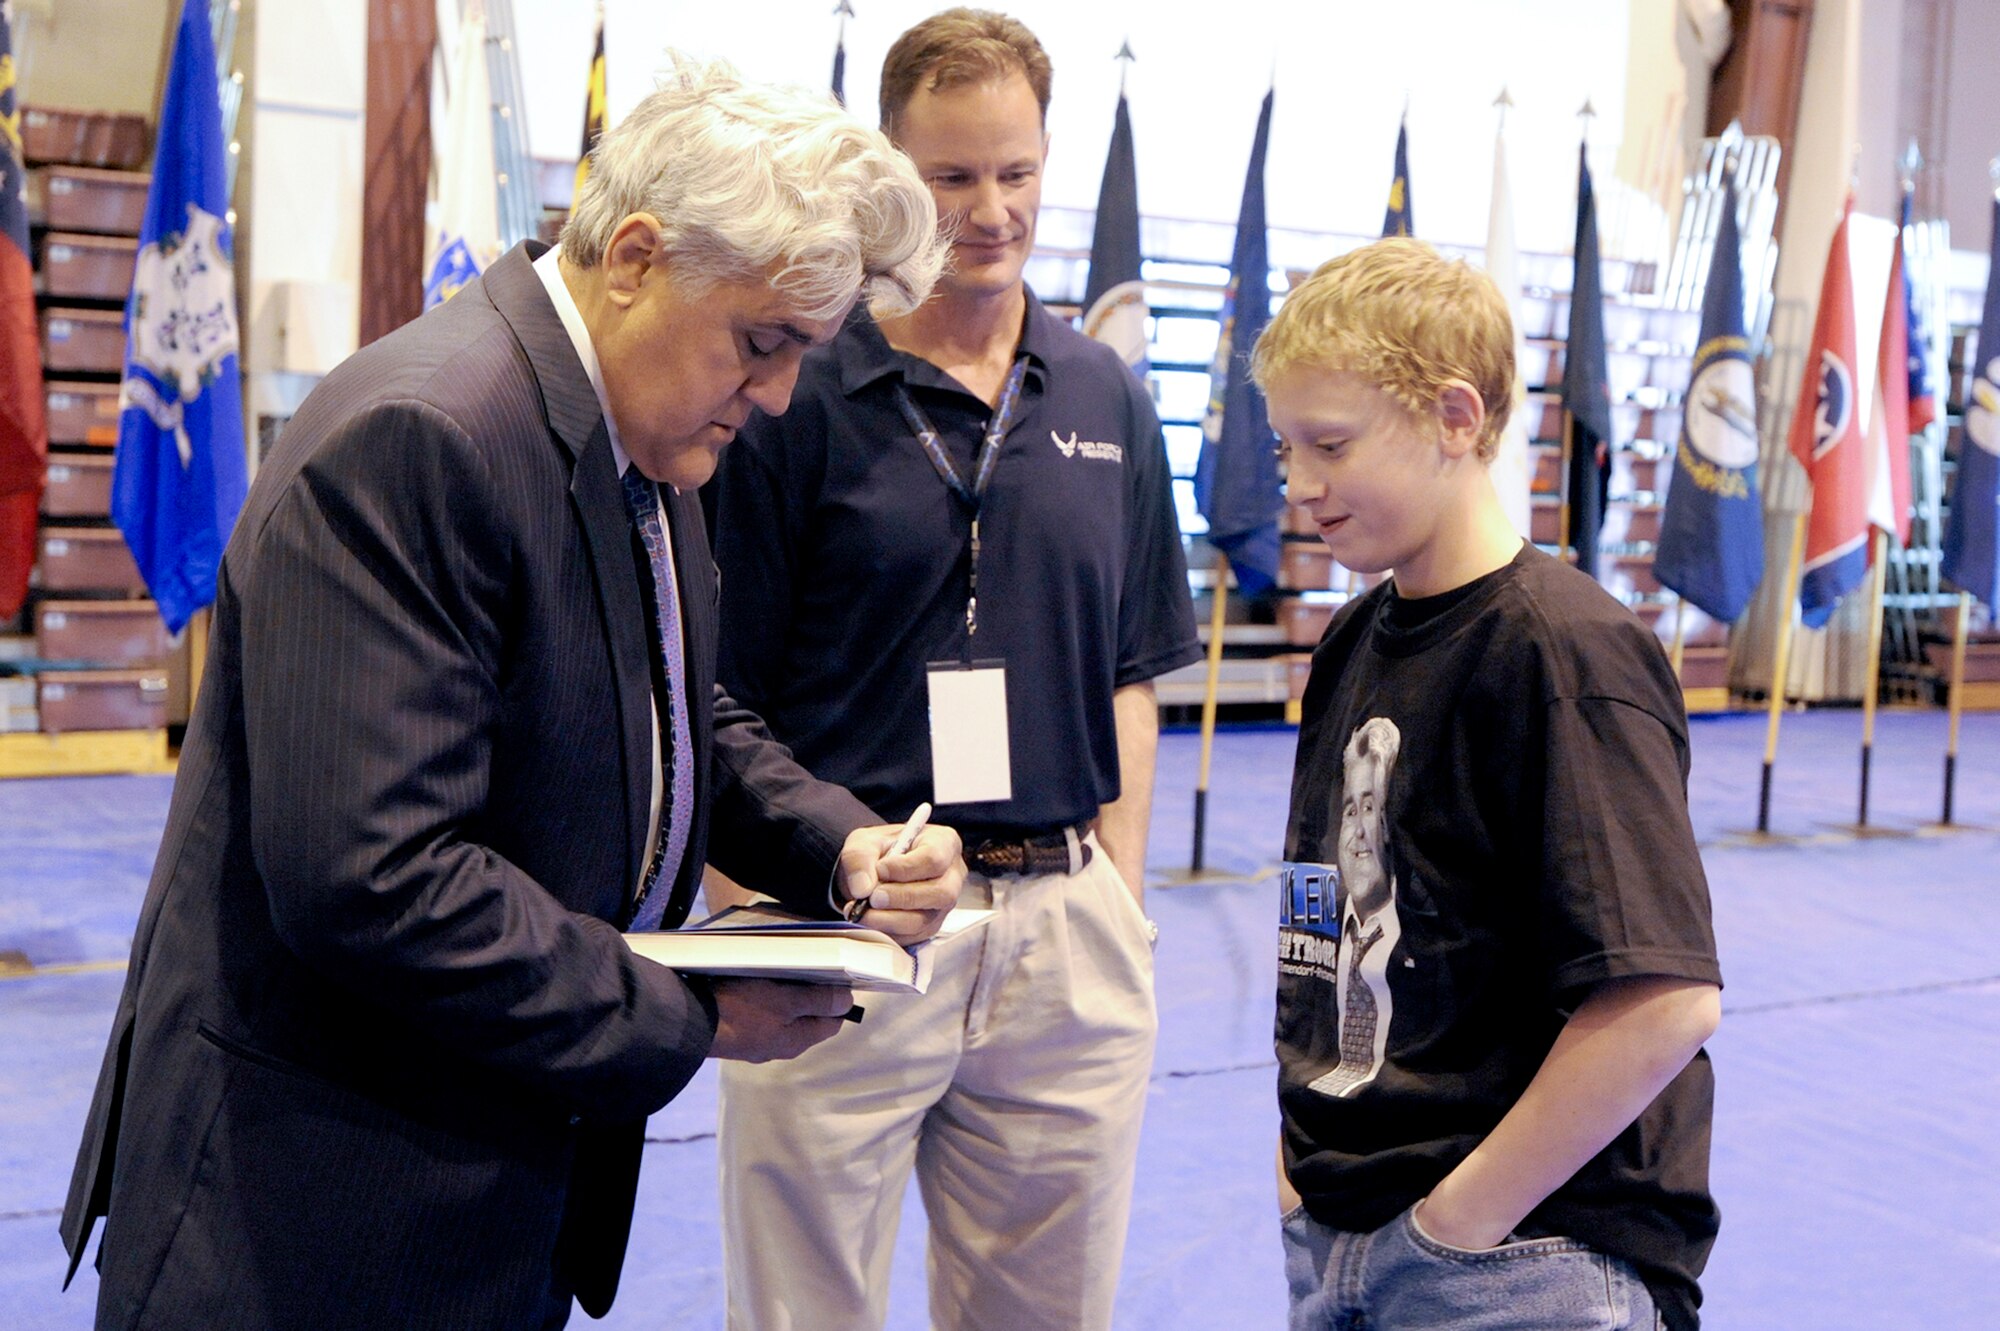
{"x": 1092, "y": 449}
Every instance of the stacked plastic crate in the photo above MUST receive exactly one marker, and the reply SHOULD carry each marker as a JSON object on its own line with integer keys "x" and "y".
{"x": 98, "y": 646}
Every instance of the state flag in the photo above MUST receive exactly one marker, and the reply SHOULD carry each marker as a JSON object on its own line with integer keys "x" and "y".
{"x": 1826, "y": 439}
{"x": 1970, "y": 561}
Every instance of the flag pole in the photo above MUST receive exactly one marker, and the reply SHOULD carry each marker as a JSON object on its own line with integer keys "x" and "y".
{"x": 1562, "y": 490}
{"x": 1679, "y": 649}
{"x": 1219, "y": 605}
{"x": 1780, "y": 668}
{"x": 1956, "y": 701}
{"x": 1879, "y": 551}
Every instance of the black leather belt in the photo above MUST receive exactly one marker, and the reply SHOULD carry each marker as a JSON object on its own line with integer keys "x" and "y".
{"x": 1061, "y": 851}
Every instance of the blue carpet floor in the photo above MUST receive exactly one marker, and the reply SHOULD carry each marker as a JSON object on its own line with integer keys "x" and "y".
{"x": 1858, "y": 1066}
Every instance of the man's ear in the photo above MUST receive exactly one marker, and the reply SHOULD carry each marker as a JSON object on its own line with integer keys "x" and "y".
{"x": 636, "y": 248}
{"x": 1462, "y": 413}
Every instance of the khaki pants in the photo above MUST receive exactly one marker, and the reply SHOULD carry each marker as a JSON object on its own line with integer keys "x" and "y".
{"x": 1015, "y": 1087}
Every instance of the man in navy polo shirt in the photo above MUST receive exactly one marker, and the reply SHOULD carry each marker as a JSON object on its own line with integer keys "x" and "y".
{"x": 950, "y": 573}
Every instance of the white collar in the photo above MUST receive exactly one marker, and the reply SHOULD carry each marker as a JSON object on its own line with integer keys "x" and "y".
{"x": 579, "y": 335}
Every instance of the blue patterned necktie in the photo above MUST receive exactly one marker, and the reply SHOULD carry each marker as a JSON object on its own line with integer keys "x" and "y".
{"x": 642, "y": 500}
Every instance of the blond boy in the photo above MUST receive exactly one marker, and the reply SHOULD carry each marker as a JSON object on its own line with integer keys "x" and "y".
{"x": 1528, "y": 1147}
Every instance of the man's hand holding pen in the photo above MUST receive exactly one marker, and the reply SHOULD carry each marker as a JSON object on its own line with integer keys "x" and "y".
{"x": 902, "y": 880}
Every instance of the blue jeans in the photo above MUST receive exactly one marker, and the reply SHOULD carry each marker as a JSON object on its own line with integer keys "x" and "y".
{"x": 1401, "y": 1279}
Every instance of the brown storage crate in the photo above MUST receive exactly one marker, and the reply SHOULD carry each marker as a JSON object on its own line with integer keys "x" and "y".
{"x": 1982, "y": 661}
{"x": 1631, "y": 523}
{"x": 88, "y": 559}
{"x": 1545, "y": 419}
{"x": 79, "y": 486}
{"x": 1305, "y": 566}
{"x": 1298, "y": 669}
{"x": 1628, "y": 575}
{"x": 1548, "y": 477}
{"x": 1304, "y": 622}
{"x": 83, "y": 341}
{"x": 1631, "y": 473}
{"x": 1296, "y": 521}
{"x": 103, "y": 700}
{"x": 88, "y": 267}
{"x": 105, "y": 632}
{"x": 1545, "y": 522}
{"x": 84, "y": 138}
{"x": 1704, "y": 667}
{"x": 82, "y": 198}
{"x": 82, "y": 413}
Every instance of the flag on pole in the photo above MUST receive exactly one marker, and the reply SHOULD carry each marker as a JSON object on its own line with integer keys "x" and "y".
{"x": 1711, "y": 546}
{"x": 24, "y": 436}
{"x": 1236, "y": 479}
{"x": 1826, "y": 439}
{"x": 1396, "y": 218}
{"x": 1512, "y": 472}
{"x": 1586, "y": 389}
{"x": 1888, "y": 445}
{"x": 1970, "y": 560}
{"x": 1923, "y": 388}
{"x": 180, "y": 474}
{"x": 593, "y": 111}
{"x": 1114, "y": 299}
{"x": 467, "y": 237}
{"x": 846, "y": 12}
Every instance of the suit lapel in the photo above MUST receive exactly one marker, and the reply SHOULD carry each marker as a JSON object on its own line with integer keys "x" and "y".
{"x": 695, "y": 578}
{"x": 577, "y": 421}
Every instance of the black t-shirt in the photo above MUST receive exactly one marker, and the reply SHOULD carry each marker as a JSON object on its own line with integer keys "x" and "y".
{"x": 1489, "y": 818}
{"x": 845, "y": 563}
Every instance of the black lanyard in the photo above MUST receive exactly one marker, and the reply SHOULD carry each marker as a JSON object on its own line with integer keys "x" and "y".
{"x": 973, "y": 495}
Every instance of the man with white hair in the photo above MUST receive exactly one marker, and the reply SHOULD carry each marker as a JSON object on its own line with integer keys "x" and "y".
{"x": 382, "y": 1057}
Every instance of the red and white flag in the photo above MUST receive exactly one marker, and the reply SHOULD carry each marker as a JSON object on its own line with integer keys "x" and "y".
{"x": 1889, "y": 428}
{"x": 1826, "y": 439}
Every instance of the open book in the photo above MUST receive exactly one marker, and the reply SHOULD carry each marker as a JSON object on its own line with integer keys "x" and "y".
{"x": 768, "y": 943}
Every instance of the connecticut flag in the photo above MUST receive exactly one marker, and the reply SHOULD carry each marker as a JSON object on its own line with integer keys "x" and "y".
{"x": 1826, "y": 439}
{"x": 180, "y": 474}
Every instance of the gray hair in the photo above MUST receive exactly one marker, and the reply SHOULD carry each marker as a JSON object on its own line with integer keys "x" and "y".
{"x": 760, "y": 183}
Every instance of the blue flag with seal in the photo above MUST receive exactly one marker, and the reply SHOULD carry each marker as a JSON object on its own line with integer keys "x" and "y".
{"x": 1114, "y": 297}
{"x": 1711, "y": 546}
{"x": 180, "y": 475}
{"x": 1972, "y": 529}
{"x": 1396, "y": 218}
{"x": 1236, "y": 480}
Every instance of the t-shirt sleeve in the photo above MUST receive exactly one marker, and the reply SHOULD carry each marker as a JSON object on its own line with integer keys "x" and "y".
{"x": 753, "y": 503}
{"x": 1624, "y": 893}
{"x": 1155, "y": 613}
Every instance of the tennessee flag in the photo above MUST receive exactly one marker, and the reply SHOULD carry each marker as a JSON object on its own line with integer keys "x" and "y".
{"x": 1826, "y": 439}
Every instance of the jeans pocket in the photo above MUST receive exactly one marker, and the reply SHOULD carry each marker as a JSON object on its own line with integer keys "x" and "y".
{"x": 1510, "y": 1247}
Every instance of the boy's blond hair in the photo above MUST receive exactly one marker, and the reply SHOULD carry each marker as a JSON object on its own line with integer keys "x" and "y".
{"x": 1405, "y": 318}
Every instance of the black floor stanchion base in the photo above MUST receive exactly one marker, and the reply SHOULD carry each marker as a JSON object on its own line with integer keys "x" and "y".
{"x": 1200, "y": 829}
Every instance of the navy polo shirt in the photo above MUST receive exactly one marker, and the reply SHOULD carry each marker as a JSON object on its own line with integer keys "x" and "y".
{"x": 845, "y": 562}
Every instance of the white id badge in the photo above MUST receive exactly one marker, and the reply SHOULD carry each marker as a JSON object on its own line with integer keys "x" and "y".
{"x": 969, "y": 758}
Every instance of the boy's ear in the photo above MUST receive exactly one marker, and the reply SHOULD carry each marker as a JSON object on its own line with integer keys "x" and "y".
{"x": 1462, "y": 413}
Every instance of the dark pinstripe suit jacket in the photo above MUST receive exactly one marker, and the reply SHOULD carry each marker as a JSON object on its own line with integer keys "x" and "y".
{"x": 381, "y": 1059}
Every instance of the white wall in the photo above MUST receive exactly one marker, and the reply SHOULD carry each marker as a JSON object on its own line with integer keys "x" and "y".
{"x": 300, "y": 195}
{"x": 99, "y": 55}
{"x": 1343, "y": 73}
